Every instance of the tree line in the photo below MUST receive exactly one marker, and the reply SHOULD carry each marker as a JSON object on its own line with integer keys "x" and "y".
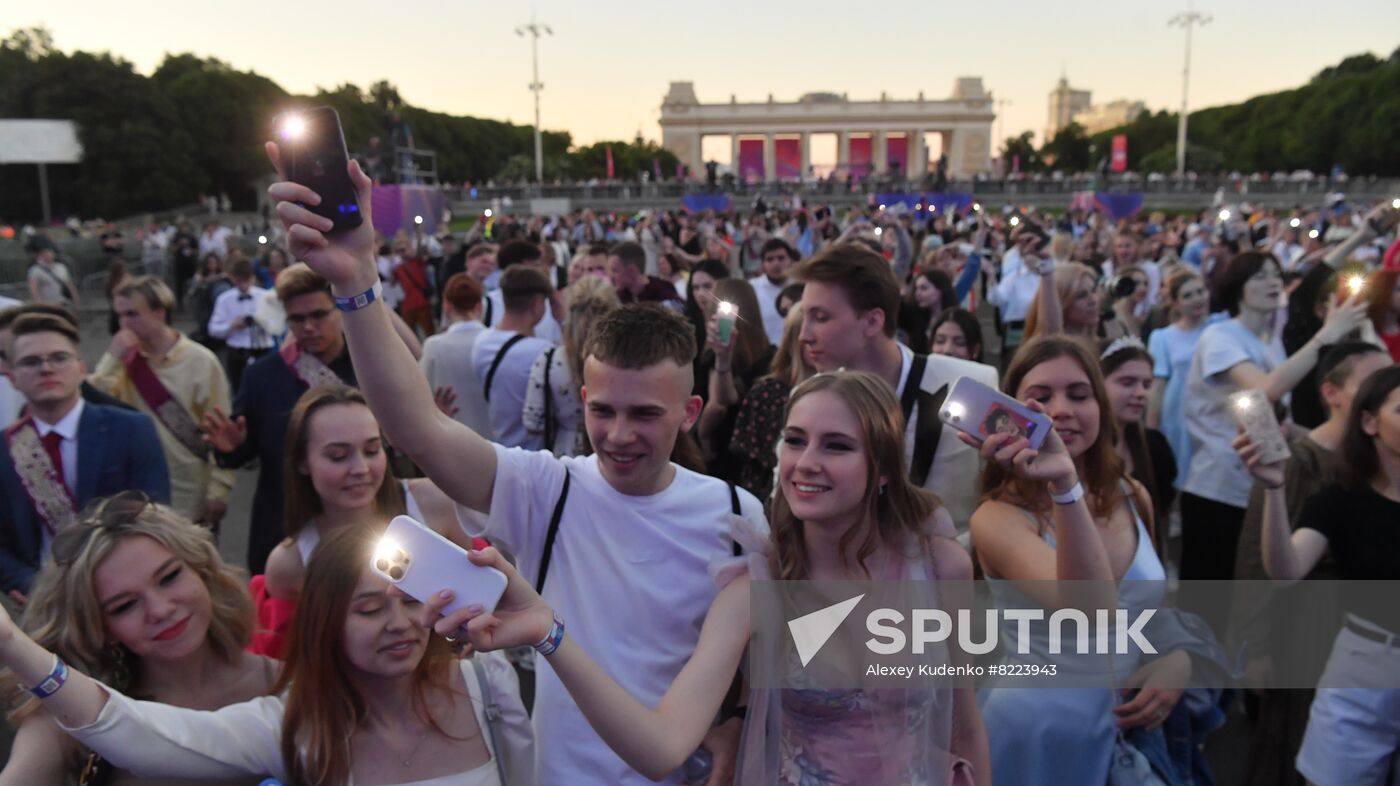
{"x": 1346, "y": 116}
{"x": 195, "y": 127}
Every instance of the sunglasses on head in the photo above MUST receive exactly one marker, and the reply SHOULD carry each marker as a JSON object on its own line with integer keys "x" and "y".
{"x": 115, "y": 513}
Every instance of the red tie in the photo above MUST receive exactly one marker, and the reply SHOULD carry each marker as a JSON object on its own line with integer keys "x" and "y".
{"x": 51, "y": 442}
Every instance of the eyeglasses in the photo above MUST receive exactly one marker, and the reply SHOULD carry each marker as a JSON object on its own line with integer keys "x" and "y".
{"x": 315, "y": 316}
{"x": 114, "y": 514}
{"x": 58, "y": 360}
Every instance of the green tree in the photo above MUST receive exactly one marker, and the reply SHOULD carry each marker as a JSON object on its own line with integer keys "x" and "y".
{"x": 1023, "y": 149}
{"x": 1069, "y": 150}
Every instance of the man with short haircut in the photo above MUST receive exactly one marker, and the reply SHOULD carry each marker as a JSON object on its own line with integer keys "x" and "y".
{"x": 523, "y": 252}
{"x": 154, "y": 368}
{"x": 776, "y": 257}
{"x": 447, "y": 356}
{"x": 849, "y": 305}
{"x": 64, "y": 452}
{"x": 90, "y": 393}
{"x": 627, "y": 263}
{"x": 503, "y": 355}
{"x": 313, "y": 354}
{"x": 635, "y": 533}
{"x": 232, "y": 320}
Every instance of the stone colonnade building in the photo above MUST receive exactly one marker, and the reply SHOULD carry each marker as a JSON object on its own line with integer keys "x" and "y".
{"x": 772, "y": 140}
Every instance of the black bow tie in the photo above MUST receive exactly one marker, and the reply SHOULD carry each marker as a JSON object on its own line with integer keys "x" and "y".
{"x": 245, "y": 296}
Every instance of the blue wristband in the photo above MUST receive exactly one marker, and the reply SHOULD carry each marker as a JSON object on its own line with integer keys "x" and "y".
{"x": 361, "y": 300}
{"x": 553, "y": 639}
{"x": 50, "y": 684}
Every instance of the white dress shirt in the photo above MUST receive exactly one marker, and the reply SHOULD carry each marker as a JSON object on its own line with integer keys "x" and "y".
{"x": 226, "y": 322}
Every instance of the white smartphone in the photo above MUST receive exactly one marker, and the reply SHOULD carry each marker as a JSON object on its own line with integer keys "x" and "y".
{"x": 980, "y": 411}
{"x": 422, "y": 563}
{"x": 1255, "y": 414}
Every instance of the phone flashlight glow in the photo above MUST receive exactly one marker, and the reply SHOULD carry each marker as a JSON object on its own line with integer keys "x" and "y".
{"x": 1396, "y": 203}
{"x": 1313, "y": 234}
{"x": 1295, "y": 223}
{"x": 1242, "y": 403}
{"x": 294, "y": 127}
{"x": 417, "y": 219}
{"x": 1015, "y": 221}
{"x": 1224, "y": 215}
{"x": 726, "y": 308}
{"x": 956, "y": 410}
{"x": 388, "y": 558}
{"x": 1355, "y": 283}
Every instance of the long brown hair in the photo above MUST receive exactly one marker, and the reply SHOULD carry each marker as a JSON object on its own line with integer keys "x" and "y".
{"x": 789, "y": 366}
{"x": 893, "y": 514}
{"x": 750, "y": 340}
{"x": 1101, "y": 468}
{"x": 301, "y": 503}
{"x": 323, "y": 706}
{"x": 1064, "y": 278}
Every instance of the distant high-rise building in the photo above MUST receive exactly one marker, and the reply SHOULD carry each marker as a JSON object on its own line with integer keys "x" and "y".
{"x": 1065, "y": 103}
{"x": 1101, "y": 117}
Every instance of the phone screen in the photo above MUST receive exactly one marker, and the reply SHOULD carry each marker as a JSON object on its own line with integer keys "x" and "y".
{"x": 314, "y": 155}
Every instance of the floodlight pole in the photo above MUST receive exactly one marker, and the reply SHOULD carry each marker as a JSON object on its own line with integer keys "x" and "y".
{"x": 1189, "y": 19}
{"x": 535, "y": 30}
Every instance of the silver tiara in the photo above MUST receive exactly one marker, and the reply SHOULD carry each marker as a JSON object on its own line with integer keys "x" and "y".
{"x": 1121, "y": 343}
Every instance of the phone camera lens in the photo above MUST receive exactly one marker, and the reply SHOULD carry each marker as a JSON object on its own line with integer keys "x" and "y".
{"x": 401, "y": 556}
{"x": 396, "y": 573}
{"x": 382, "y": 565}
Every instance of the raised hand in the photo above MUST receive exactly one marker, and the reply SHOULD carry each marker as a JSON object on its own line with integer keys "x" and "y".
{"x": 222, "y": 434}
{"x": 122, "y": 342}
{"x": 1051, "y": 463}
{"x": 1343, "y": 318}
{"x": 345, "y": 259}
{"x": 1271, "y": 475}
{"x": 521, "y": 618}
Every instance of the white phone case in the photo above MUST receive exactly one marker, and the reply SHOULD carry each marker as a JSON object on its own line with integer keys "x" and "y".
{"x": 426, "y": 563}
{"x": 1255, "y": 414}
{"x": 979, "y": 411}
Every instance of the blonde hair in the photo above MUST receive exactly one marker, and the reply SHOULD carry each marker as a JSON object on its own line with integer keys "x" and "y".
{"x": 1065, "y": 277}
{"x": 152, "y": 291}
{"x": 789, "y": 365}
{"x": 64, "y": 614}
{"x": 590, "y": 298}
{"x": 894, "y": 513}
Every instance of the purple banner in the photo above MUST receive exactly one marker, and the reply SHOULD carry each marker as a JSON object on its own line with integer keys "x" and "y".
{"x": 897, "y": 154}
{"x": 751, "y": 160}
{"x": 696, "y": 203}
{"x": 787, "y": 157}
{"x": 394, "y": 208}
{"x": 860, "y": 156}
{"x": 1118, "y": 206}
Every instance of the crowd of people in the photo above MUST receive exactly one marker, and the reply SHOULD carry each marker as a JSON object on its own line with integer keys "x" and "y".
{"x": 653, "y": 412}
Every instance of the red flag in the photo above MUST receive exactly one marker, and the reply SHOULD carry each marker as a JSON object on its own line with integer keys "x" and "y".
{"x": 610, "y": 163}
{"x": 1120, "y": 153}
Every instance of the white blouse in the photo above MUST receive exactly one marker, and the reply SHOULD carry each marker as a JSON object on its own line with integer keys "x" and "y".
{"x": 155, "y": 740}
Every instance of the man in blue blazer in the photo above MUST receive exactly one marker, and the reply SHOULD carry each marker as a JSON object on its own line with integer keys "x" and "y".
{"x": 65, "y": 452}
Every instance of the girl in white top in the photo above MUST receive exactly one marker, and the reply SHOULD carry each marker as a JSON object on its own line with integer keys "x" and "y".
{"x": 336, "y": 474}
{"x": 847, "y": 511}
{"x": 138, "y": 596}
{"x": 367, "y": 696}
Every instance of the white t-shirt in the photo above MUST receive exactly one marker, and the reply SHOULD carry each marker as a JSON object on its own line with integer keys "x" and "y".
{"x": 494, "y": 307}
{"x": 507, "y": 396}
{"x": 1216, "y": 471}
{"x": 630, "y": 578}
{"x": 767, "y": 293}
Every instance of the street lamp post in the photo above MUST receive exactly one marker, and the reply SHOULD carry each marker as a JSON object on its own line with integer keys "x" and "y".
{"x": 535, "y": 30}
{"x": 1189, "y": 19}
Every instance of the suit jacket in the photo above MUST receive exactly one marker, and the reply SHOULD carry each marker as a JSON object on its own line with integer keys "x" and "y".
{"x": 266, "y": 395}
{"x": 955, "y": 473}
{"x": 117, "y": 450}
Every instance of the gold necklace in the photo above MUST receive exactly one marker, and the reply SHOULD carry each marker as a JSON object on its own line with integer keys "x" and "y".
{"x": 406, "y": 761}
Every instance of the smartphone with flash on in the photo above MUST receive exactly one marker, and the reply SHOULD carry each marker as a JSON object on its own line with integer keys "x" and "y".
{"x": 980, "y": 411}
{"x": 313, "y": 151}
{"x": 422, "y": 563}
{"x": 1255, "y": 414}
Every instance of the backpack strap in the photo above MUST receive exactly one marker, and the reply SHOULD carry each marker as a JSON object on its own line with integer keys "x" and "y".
{"x": 552, "y": 533}
{"x": 492, "y": 710}
{"x": 490, "y": 309}
{"x": 496, "y": 363}
{"x": 928, "y": 430}
{"x": 912, "y": 385}
{"x": 551, "y": 430}
{"x": 736, "y": 510}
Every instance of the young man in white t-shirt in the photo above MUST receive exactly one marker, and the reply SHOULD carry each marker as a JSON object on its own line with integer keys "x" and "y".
{"x": 629, "y": 567}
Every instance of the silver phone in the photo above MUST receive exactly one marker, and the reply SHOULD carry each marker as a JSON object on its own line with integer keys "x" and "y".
{"x": 422, "y": 563}
{"x": 979, "y": 411}
{"x": 1255, "y": 414}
